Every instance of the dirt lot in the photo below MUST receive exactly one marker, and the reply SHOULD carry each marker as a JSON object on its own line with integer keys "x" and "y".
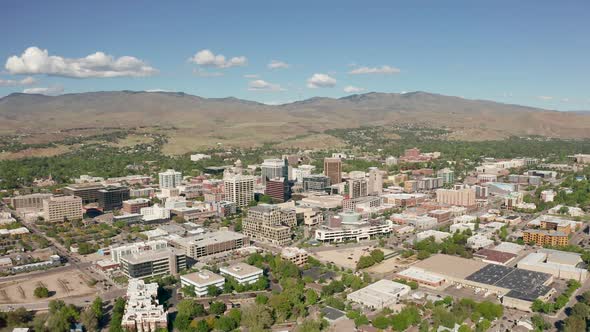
{"x": 60, "y": 285}
{"x": 346, "y": 257}
{"x": 394, "y": 264}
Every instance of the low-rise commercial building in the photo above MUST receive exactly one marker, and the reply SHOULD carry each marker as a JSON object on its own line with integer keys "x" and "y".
{"x": 135, "y": 205}
{"x": 358, "y": 232}
{"x": 560, "y": 264}
{"x": 295, "y": 255}
{"x": 153, "y": 263}
{"x": 381, "y": 294}
{"x": 243, "y": 273}
{"x": 422, "y": 277}
{"x": 437, "y": 235}
{"x": 201, "y": 281}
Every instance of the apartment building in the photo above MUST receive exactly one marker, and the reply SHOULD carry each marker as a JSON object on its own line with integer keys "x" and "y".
{"x": 207, "y": 244}
{"x": 143, "y": 313}
{"x": 447, "y": 175}
{"x": 333, "y": 169}
{"x": 169, "y": 179}
{"x": 543, "y": 237}
{"x": 269, "y": 223}
{"x": 375, "y": 176}
{"x": 60, "y": 208}
{"x": 460, "y": 197}
{"x": 239, "y": 189}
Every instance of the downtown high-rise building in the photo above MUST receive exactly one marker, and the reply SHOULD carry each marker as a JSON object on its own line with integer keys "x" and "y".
{"x": 274, "y": 168}
{"x": 239, "y": 189}
{"x": 333, "y": 169}
{"x": 169, "y": 179}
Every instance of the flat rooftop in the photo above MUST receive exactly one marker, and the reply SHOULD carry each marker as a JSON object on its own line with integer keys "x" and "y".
{"x": 452, "y": 266}
{"x": 419, "y": 274}
{"x": 241, "y": 270}
{"x": 495, "y": 255}
{"x": 523, "y": 284}
{"x": 206, "y": 239}
{"x": 203, "y": 277}
{"x": 509, "y": 247}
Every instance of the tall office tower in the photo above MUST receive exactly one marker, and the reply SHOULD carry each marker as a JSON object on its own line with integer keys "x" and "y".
{"x": 333, "y": 169}
{"x": 279, "y": 189}
{"x": 111, "y": 198}
{"x": 358, "y": 187}
{"x": 375, "y": 181}
{"x": 169, "y": 179}
{"x": 302, "y": 171}
{"x": 274, "y": 168}
{"x": 239, "y": 189}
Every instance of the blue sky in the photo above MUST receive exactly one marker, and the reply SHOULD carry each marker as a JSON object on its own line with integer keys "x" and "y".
{"x": 533, "y": 53}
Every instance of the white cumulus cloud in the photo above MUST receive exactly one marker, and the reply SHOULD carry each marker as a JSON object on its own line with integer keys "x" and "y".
{"x": 50, "y": 91}
{"x": 22, "y": 82}
{"x": 321, "y": 81}
{"x": 261, "y": 85}
{"x": 99, "y": 65}
{"x": 206, "y": 58}
{"x": 251, "y": 76}
{"x": 353, "y": 89}
{"x": 277, "y": 64}
{"x": 388, "y": 70}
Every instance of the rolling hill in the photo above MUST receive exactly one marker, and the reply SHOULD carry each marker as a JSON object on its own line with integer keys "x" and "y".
{"x": 202, "y": 121}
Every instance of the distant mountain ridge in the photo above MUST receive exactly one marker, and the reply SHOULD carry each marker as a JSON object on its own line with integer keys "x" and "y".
{"x": 236, "y": 119}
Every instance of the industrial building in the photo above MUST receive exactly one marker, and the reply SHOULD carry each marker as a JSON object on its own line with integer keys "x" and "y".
{"x": 560, "y": 264}
{"x": 381, "y": 294}
{"x": 421, "y": 276}
{"x": 516, "y": 288}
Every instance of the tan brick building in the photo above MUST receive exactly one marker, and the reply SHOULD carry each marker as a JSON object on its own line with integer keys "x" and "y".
{"x": 270, "y": 223}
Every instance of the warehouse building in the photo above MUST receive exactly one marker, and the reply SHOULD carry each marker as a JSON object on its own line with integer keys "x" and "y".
{"x": 422, "y": 277}
{"x": 381, "y": 294}
{"x": 560, "y": 264}
{"x": 515, "y": 287}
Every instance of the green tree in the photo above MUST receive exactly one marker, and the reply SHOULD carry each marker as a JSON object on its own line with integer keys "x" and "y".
{"x": 311, "y": 297}
{"x": 89, "y": 320}
{"x": 217, "y": 308}
{"x": 257, "y": 317}
{"x": 225, "y": 324}
{"x": 41, "y": 292}
{"x": 381, "y": 322}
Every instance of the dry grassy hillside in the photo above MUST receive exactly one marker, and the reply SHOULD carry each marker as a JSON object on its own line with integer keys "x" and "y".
{"x": 195, "y": 121}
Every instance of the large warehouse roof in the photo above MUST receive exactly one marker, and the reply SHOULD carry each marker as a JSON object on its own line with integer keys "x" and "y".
{"x": 451, "y": 266}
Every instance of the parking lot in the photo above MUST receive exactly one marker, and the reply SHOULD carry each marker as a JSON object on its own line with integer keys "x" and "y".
{"x": 346, "y": 257}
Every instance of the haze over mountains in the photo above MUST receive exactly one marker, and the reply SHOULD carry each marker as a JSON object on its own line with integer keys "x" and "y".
{"x": 230, "y": 119}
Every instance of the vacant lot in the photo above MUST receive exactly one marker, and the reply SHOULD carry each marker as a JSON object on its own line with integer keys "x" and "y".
{"x": 346, "y": 257}
{"x": 60, "y": 285}
{"x": 394, "y": 264}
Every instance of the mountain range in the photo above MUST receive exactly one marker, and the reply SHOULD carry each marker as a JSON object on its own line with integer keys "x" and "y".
{"x": 232, "y": 120}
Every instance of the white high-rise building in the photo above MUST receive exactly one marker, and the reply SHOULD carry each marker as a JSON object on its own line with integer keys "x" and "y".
{"x": 169, "y": 179}
{"x": 375, "y": 181}
{"x": 239, "y": 189}
{"x": 273, "y": 168}
{"x": 302, "y": 171}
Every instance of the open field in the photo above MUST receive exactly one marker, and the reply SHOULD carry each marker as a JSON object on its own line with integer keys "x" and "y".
{"x": 346, "y": 257}
{"x": 132, "y": 140}
{"x": 60, "y": 285}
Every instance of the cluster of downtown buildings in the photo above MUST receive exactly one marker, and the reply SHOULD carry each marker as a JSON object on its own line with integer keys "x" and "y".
{"x": 332, "y": 206}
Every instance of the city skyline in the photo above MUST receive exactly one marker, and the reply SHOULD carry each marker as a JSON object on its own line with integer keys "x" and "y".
{"x": 529, "y": 53}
